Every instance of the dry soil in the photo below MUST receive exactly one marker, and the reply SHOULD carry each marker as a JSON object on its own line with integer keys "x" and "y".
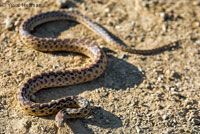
{"x": 136, "y": 94}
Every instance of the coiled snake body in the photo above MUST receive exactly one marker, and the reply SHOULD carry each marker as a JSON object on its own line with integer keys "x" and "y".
{"x": 70, "y": 106}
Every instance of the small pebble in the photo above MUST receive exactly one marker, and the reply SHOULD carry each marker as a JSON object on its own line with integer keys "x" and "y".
{"x": 9, "y": 74}
{"x": 162, "y": 14}
{"x": 56, "y": 66}
{"x": 128, "y": 102}
{"x": 164, "y": 27}
{"x": 148, "y": 85}
{"x": 172, "y": 89}
{"x": 168, "y": 73}
{"x": 133, "y": 23}
{"x": 169, "y": 132}
{"x": 198, "y": 42}
{"x": 122, "y": 55}
{"x": 196, "y": 121}
{"x": 176, "y": 75}
{"x": 145, "y": 3}
{"x": 165, "y": 117}
{"x": 118, "y": 27}
{"x": 111, "y": 23}
{"x": 128, "y": 36}
{"x": 98, "y": 90}
{"x": 140, "y": 69}
{"x": 159, "y": 78}
{"x": 17, "y": 22}
{"x": 98, "y": 19}
{"x": 107, "y": 10}
{"x": 8, "y": 23}
{"x": 139, "y": 130}
{"x": 196, "y": 24}
{"x": 62, "y": 3}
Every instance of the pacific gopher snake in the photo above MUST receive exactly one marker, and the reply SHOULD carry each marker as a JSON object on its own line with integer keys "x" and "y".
{"x": 71, "y": 106}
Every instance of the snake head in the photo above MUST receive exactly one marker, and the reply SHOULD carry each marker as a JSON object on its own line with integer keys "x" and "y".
{"x": 59, "y": 119}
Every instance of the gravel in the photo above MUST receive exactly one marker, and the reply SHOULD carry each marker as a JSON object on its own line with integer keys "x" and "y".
{"x": 136, "y": 94}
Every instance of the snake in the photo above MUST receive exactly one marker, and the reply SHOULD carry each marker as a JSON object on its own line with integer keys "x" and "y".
{"x": 69, "y": 106}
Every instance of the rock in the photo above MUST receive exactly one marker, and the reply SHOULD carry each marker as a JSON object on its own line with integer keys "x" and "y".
{"x": 196, "y": 121}
{"x": 164, "y": 27}
{"x": 98, "y": 19}
{"x": 8, "y": 23}
{"x": 122, "y": 55}
{"x": 98, "y": 91}
{"x": 138, "y": 130}
{"x": 63, "y": 3}
{"x": 196, "y": 24}
{"x": 162, "y": 14}
{"x": 169, "y": 131}
{"x": 107, "y": 10}
{"x": 133, "y": 23}
{"x": 176, "y": 75}
{"x": 165, "y": 117}
{"x": 118, "y": 27}
{"x": 17, "y": 22}
{"x": 128, "y": 36}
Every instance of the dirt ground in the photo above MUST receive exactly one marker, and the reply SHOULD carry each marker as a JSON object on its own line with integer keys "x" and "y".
{"x": 136, "y": 94}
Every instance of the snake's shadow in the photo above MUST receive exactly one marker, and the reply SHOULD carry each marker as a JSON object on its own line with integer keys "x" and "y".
{"x": 119, "y": 75}
{"x": 98, "y": 117}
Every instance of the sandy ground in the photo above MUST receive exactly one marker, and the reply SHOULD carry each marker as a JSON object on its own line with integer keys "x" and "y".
{"x": 136, "y": 94}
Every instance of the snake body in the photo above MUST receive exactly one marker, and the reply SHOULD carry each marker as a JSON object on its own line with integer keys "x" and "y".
{"x": 70, "y": 106}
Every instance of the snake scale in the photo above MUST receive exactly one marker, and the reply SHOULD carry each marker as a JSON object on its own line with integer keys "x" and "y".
{"x": 70, "y": 106}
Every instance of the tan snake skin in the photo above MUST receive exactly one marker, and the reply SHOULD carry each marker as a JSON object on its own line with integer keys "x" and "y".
{"x": 70, "y": 106}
